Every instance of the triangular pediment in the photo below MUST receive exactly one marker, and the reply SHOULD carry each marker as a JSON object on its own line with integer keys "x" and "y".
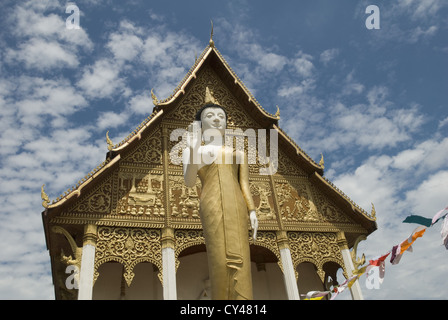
{"x": 141, "y": 185}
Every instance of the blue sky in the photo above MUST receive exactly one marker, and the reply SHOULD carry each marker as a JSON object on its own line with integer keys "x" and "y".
{"x": 374, "y": 102}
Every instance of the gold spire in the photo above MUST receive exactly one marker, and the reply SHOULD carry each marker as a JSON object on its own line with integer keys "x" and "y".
{"x": 110, "y": 145}
{"x": 209, "y": 97}
{"x": 44, "y": 197}
{"x": 211, "y": 42}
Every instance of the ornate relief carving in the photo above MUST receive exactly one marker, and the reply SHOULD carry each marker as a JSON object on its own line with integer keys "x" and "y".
{"x": 327, "y": 209}
{"x": 184, "y": 201}
{"x": 97, "y": 200}
{"x": 268, "y": 240}
{"x": 315, "y": 247}
{"x": 128, "y": 246}
{"x": 140, "y": 194}
{"x": 187, "y": 238}
{"x": 287, "y": 167}
{"x": 148, "y": 151}
{"x": 194, "y": 98}
{"x": 263, "y": 200}
{"x": 295, "y": 201}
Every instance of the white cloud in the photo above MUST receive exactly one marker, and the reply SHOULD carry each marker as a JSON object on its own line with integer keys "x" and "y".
{"x": 419, "y": 33}
{"x": 42, "y": 55}
{"x": 369, "y": 183}
{"x": 102, "y": 80}
{"x": 141, "y": 103}
{"x": 443, "y": 122}
{"x": 351, "y": 85}
{"x": 305, "y": 86}
{"x": 36, "y": 96}
{"x": 108, "y": 120}
{"x": 426, "y": 156}
{"x": 430, "y": 196}
{"x": 328, "y": 55}
{"x": 126, "y": 44}
{"x": 420, "y": 9}
{"x": 360, "y": 125}
{"x": 45, "y": 42}
{"x": 303, "y": 64}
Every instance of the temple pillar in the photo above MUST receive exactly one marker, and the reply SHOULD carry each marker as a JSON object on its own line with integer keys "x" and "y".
{"x": 169, "y": 265}
{"x": 87, "y": 263}
{"x": 289, "y": 275}
{"x": 355, "y": 290}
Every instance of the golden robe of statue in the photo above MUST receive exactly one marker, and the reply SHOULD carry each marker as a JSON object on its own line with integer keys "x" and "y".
{"x": 225, "y": 202}
{"x": 226, "y": 206}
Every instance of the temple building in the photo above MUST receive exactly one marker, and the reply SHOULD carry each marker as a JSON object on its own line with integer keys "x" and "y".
{"x": 131, "y": 228}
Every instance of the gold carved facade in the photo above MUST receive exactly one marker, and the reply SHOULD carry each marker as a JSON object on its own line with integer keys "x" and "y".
{"x": 145, "y": 193}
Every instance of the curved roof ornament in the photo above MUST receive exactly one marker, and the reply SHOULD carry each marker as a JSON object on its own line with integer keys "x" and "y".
{"x": 44, "y": 196}
{"x": 321, "y": 162}
{"x": 277, "y": 114}
{"x": 155, "y": 101}
{"x": 110, "y": 144}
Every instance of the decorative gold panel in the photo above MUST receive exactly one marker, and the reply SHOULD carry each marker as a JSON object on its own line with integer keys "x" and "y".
{"x": 128, "y": 246}
{"x": 148, "y": 151}
{"x": 327, "y": 208}
{"x": 263, "y": 199}
{"x": 194, "y": 99}
{"x": 295, "y": 201}
{"x": 140, "y": 194}
{"x": 96, "y": 201}
{"x": 184, "y": 201}
{"x": 315, "y": 247}
{"x": 286, "y": 167}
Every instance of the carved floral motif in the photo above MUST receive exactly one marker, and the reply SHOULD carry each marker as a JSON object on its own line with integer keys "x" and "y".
{"x": 149, "y": 151}
{"x": 194, "y": 98}
{"x": 315, "y": 247}
{"x": 129, "y": 246}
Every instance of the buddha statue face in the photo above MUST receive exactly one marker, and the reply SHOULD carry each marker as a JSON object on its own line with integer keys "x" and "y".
{"x": 213, "y": 118}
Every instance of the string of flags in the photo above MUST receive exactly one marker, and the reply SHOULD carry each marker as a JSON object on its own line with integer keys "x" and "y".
{"x": 395, "y": 253}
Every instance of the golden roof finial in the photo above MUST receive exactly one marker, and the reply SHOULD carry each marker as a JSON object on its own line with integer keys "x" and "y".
{"x": 44, "y": 197}
{"x": 321, "y": 162}
{"x": 154, "y": 98}
{"x": 373, "y": 213}
{"x": 277, "y": 114}
{"x": 209, "y": 97}
{"x": 110, "y": 145}
{"x": 211, "y": 42}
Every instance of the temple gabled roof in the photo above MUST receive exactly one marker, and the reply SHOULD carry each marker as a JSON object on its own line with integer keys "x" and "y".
{"x": 213, "y": 58}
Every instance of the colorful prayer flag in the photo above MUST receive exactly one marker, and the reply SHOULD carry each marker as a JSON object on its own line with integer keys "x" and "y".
{"x": 417, "y": 233}
{"x": 419, "y": 220}
{"x": 439, "y": 215}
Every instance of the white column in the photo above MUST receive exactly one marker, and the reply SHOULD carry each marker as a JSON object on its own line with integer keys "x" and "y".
{"x": 87, "y": 263}
{"x": 169, "y": 265}
{"x": 289, "y": 274}
{"x": 348, "y": 262}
